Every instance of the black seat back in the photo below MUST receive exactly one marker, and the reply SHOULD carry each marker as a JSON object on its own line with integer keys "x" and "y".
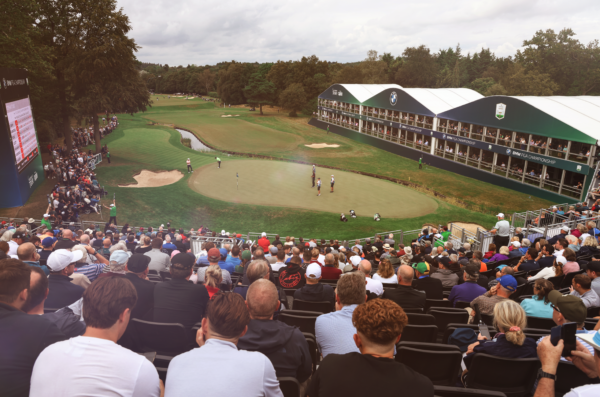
{"x": 313, "y": 348}
{"x": 440, "y": 364}
{"x": 306, "y": 322}
{"x": 540, "y": 323}
{"x": 448, "y": 391}
{"x": 321, "y": 307}
{"x": 419, "y": 333}
{"x": 420, "y": 319}
{"x": 436, "y": 303}
{"x": 568, "y": 279}
{"x": 443, "y": 318}
{"x": 163, "y": 338}
{"x": 511, "y": 376}
{"x": 568, "y": 376}
{"x": 289, "y": 386}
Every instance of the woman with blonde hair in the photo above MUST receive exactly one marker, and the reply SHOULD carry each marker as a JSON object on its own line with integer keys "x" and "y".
{"x": 509, "y": 320}
{"x": 501, "y": 255}
{"x": 589, "y": 247}
{"x": 214, "y": 278}
{"x": 385, "y": 272}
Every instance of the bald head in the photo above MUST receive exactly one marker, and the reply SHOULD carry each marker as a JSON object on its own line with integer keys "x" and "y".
{"x": 329, "y": 259}
{"x": 262, "y": 299}
{"x": 85, "y": 239}
{"x": 26, "y": 252}
{"x": 67, "y": 233}
{"x": 365, "y": 267}
{"x": 405, "y": 275}
{"x": 106, "y": 243}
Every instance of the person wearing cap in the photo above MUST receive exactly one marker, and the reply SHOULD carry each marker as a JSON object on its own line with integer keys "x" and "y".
{"x": 177, "y": 300}
{"x": 515, "y": 252}
{"x": 485, "y": 303}
{"x": 569, "y": 309}
{"x": 431, "y": 286}
{"x": 582, "y": 288}
{"x": 246, "y": 258}
{"x": 60, "y": 370}
{"x": 271, "y": 256}
{"x": 405, "y": 295}
{"x": 215, "y": 257}
{"x": 292, "y": 276}
{"x": 264, "y": 242}
{"x": 113, "y": 212}
{"x": 117, "y": 263}
{"x": 313, "y": 290}
{"x": 62, "y": 291}
{"x": 501, "y": 231}
{"x": 24, "y": 336}
{"x": 556, "y": 270}
{"x": 47, "y": 248}
{"x": 448, "y": 278}
{"x": 284, "y": 345}
{"x": 564, "y": 230}
{"x": 19, "y": 237}
{"x": 46, "y": 222}
{"x": 354, "y": 261}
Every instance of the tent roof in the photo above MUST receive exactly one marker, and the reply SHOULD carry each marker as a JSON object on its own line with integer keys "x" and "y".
{"x": 362, "y": 92}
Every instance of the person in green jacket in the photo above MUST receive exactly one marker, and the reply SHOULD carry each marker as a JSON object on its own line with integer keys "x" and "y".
{"x": 420, "y": 161}
{"x": 113, "y": 213}
{"x": 108, "y": 156}
{"x": 46, "y": 222}
{"x": 219, "y": 161}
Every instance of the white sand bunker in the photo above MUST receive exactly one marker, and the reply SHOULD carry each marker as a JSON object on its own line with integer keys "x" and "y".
{"x": 230, "y": 115}
{"x": 471, "y": 227}
{"x": 155, "y": 179}
{"x": 321, "y": 145}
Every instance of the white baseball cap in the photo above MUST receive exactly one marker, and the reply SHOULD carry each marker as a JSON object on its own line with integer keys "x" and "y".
{"x": 561, "y": 259}
{"x": 355, "y": 260}
{"x": 46, "y": 215}
{"x": 516, "y": 244}
{"x": 60, "y": 259}
{"x": 263, "y": 234}
{"x": 500, "y": 215}
{"x": 119, "y": 256}
{"x": 566, "y": 228}
{"x": 313, "y": 271}
{"x": 112, "y": 205}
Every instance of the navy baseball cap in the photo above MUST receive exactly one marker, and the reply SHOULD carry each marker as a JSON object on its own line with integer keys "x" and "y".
{"x": 48, "y": 241}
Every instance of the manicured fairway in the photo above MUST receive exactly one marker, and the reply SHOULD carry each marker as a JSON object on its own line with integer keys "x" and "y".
{"x": 276, "y": 183}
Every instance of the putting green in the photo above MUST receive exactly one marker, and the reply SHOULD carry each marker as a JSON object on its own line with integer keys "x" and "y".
{"x": 283, "y": 184}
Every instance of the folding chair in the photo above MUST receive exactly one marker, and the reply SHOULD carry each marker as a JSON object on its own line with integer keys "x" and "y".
{"x": 313, "y": 347}
{"x": 540, "y": 323}
{"x": 443, "y": 318}
{"x": 440, "y": 363}
{"x": 321, "y": 307}
{"x": 568, "y": 376}
{"x": 512, "y": 376}
{"x": 416, "y": 310}
{"x": 436, "y": 303}
{"x": 462, "y": 305}
{"x": 535, "y": 333}
{"x": 420, "y": 319}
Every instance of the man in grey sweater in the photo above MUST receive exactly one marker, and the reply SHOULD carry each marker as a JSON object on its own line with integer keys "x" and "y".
{"x": 444, "y": 274}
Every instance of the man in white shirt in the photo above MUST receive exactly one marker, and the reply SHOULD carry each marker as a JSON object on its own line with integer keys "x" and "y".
{"x": 280, "y": 261}
{"x": 374, "y": 286}
{"x": 93, "y": 364}
{"x": 501, "y": 231}
{"x": 207, "y": 369}
{"x": 18, "y": 238}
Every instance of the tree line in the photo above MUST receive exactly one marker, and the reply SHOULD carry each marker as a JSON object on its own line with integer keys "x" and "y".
{"x": 80, "y": 61}
{"x": 548, "y": 64}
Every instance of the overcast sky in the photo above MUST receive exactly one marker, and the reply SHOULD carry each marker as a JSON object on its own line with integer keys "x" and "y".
{"x": 182, "y": 32}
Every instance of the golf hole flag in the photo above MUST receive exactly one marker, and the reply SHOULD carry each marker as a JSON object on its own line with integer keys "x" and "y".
{"x": 500, "y": 111}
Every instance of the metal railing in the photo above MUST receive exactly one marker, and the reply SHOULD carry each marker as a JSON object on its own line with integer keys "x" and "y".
{"x": 197, "y": 241}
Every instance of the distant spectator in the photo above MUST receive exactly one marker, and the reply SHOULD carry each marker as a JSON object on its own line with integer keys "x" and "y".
{"x": 405, "y": 295}
{"x": 385, "y": 273}
{"x": 23, "y": 336}
{"x": 448, "y": 278}
{"x": 593, "y": 271}
{"x": 28, "y": 254}
{"x": 501, "y": 255}
{"x": 177, "y": 300}
{"x": 555, "y": 270}
{"x": 313, "y": 290}
{"x": 137, "y": 272}
{"x": 256, "y": 270}
{"x": 373, "y": 286}
{"x": 107, "y": 306}
{"x": 264, "y": 242}
{"x": 144, "y": 246}
{"x": 546, "y": 256}
{"x": 485, "y": 303}
{"x": 528, "y": 261}
{"x": 92, "y": 264}
{"x": 431, "y": 286}
{"x": 292, "y": 276}
{"x": 571, "y": 265}
{"x": 582, "y": 288}
{"x": 280, "y": 262}
{"x": 334, "y": 331}
{"x": 209, "y": 367}
{"x": 159, "y": 260}
{"x": 539, "y": 304}
{"x": 214, "y": 258}
{"x": 213, "y": 278}
{"x": 469, "y": 289}
{"x": 284, "y": 345}
{"x": 233, "y": 259}
{"x": 379, "y": 324}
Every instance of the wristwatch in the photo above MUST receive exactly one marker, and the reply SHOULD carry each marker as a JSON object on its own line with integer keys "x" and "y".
{"x": 541, "y": 374}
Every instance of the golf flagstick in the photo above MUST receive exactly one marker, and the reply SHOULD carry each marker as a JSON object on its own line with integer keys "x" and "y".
{"x": 237, "y": 181}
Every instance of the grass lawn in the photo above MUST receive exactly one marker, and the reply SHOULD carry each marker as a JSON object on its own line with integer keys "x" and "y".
{"x": 137, "y": 145}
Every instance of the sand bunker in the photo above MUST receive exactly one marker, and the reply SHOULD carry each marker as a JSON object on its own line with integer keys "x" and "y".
{"x": 155, "y": 179}
{"x": 321, "y": 145}
{"x": 230, "y": 115}
{"x": 471, "y": 227}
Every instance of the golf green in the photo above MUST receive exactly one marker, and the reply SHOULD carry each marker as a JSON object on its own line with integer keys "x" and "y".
{"x": 284, "y": 184}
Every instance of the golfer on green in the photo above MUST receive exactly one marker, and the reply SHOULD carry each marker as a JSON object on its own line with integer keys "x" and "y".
{"x": 328, "y": 128}
{"x": 420, "y": 165}
{"x": 219, "y": 161}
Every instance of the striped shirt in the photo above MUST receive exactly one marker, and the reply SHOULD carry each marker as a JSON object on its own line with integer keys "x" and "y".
{"x": 91, "y": 270}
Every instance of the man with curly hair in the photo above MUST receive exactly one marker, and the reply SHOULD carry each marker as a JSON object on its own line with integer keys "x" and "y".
{"x": 379, "y": 324}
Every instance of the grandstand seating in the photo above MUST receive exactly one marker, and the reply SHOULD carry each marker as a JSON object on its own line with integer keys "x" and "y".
{"x": 440, "y": 363}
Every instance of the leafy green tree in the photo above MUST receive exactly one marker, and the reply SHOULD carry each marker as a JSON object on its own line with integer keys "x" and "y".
{"x": 419, "y": 68}
{"x": 231, "y": 84}
{"x": 496, "y": 89}
{"x": 520, "y": 82}
{"x": 349, "y": 74}
{"x": 481, "y": 85}
{"x": 259, "y": 91}
{"x": 293, "y": 98}
{"x": 374, "y": 69}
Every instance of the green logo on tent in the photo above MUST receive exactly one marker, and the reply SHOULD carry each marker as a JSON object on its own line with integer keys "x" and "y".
{"x": 500, "y": 111}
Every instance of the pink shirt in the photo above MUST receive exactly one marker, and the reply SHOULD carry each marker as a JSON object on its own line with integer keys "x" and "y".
{"x": 570, "y": 267}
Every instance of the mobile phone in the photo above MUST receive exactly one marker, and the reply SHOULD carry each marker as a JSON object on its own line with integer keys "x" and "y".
{"x": 566, "y": 332}
{"x": 484, "y": 330}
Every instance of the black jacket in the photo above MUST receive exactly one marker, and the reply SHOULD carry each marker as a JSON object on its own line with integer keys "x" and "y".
{"x": 179, "y": 301}
{"x": 64, "y": 244}
{"x": 291, "y": 276}
{"x": 316, "y": 293}
{"x": 67, "y": 322}
{"x": 432, "y": 287}
{"x": 23, "y": 337}
{"x": 406, "y": 297}
{"x": 62, "y": 292}
{"x": 145, "y": 297}
{"x": 283, "y": 344}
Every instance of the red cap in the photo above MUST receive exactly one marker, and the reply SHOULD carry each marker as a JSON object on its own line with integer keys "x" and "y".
{"x": 238, "y": 235}
{"x": 215, "y": 253}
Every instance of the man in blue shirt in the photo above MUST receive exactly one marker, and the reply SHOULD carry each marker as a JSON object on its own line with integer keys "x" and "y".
{"x": 335, "y": 331}
{"x": 28, "y": 254}
{"x": 233, "y": 259}
{"x": 222, "y": 261}
{"x": 469, "y": 290}
{"x": 527, "y": 261}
